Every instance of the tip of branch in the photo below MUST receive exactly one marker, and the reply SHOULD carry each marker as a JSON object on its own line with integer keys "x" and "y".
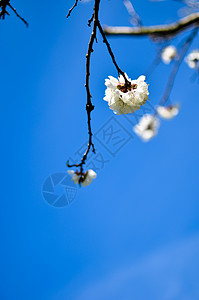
{"x": 70, "y": 10}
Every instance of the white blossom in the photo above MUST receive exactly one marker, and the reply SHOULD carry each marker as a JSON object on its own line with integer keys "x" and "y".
{"x": 192, "y": 59}
{"x": 147, "y": 127}
{"x": 168, "y": 54}
{"x": 87, "y": 177}
{"x": 168, "y": 112}
{"x": 124, "y": 99}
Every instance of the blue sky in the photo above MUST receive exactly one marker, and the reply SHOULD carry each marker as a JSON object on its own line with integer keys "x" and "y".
{"x": 134, "y": 232}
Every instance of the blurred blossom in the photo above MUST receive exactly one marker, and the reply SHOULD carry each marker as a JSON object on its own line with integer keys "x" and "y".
{"x": 168, "y": 54}
{"x": 192, "y": 59}
{"x": 88, "y": 177}
{"x": 168, "y": 112}
{"x": 147, "y": 127}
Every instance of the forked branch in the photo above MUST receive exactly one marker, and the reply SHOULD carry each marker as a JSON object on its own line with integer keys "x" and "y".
{"x": 3, "y": 12}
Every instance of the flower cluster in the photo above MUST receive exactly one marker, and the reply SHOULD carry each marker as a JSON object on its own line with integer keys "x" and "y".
{"x": 192, "y": 59}
{"x": 123, "y": 97}
{"x": 84, "y": 179}
{"x": 168, "y": 54}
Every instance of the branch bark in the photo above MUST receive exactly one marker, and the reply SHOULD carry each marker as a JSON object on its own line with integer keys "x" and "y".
{"x": 157, "y": 31}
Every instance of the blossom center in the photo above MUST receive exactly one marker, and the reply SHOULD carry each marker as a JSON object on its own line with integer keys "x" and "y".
{"x": 126, "y": 87}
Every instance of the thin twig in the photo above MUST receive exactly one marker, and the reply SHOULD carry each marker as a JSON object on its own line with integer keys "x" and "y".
{"x": 91, "y": 20}
{"x": 3, "y": 6}
{"x": 111, "y": 53}
{"x": 70, "y": 10}
{"x": 16, "y": 13}
{"x": 136, "y": 20}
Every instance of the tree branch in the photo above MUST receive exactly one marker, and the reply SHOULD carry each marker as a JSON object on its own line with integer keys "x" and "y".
{"x": 3, "y": 5}
{"x": 158, "y": 30}
{"x": 3, "y": 12}
{"x": 16, "y": 13}
{"x": 89, "y": 105}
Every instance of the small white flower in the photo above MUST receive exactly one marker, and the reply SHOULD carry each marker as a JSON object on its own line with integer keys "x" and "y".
{"x": 87, "y": 177}
{"x": 123, "y": 99}
{"x": 168, "y": 112}
{"x": 192, "y": 59}
{"x": 147, "y": 127}
{"x": 168, "y": 54}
